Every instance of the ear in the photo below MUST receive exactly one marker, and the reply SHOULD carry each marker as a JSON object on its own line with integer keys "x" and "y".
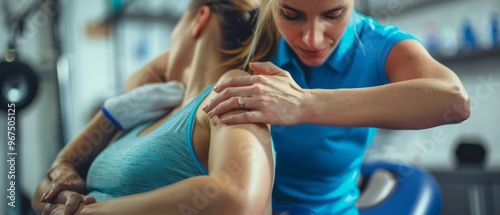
{"x": 201, "y": 20}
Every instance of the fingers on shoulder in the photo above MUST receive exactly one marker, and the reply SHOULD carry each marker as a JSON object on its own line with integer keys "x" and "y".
{"x": 233, "y": 73}
{"x": 230, "y": 78}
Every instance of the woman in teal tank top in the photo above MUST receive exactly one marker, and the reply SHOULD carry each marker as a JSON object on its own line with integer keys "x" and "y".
{"x": 180, "y": 163}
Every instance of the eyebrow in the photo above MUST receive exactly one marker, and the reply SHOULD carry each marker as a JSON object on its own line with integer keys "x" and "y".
{"x": 288, "y": 7}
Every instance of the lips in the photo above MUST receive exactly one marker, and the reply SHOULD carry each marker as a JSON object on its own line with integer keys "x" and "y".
{"x": 313, "y": 53}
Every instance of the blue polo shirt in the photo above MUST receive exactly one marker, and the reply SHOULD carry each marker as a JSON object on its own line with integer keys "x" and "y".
{"x": 318, "y": 166}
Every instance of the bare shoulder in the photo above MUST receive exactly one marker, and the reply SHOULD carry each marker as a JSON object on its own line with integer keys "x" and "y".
{"x": 227, "y": 75}
{"x": 234, "y": 73}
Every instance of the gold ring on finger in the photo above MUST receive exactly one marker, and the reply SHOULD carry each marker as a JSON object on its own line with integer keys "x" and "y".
{"x": 241, "y": 102}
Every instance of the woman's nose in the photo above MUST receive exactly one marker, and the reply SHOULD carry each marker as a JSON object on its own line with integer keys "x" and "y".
{"x": 313, "y": 35}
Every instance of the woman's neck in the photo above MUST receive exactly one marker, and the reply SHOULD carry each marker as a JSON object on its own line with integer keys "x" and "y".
{"x": 203, "y": 69}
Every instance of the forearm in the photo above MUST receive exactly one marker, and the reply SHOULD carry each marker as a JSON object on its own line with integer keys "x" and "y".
{"x": 197, "y": 195}
{"x": 80, "y": 152}
{"x": 74, "y": 159}
{"x": 412, "y": 104}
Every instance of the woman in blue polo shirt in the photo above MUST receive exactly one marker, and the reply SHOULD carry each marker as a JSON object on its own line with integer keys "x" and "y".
{"x": 335, "y": 76}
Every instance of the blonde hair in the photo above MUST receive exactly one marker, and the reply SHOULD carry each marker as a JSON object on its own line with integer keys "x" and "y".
{"x": 265, "y": 28}
{"x": 237, "y": 25}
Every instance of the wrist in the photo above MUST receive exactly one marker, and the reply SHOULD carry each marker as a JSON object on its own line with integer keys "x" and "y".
{"x": 307, "y": 106}
{"x": 58, "y": 168}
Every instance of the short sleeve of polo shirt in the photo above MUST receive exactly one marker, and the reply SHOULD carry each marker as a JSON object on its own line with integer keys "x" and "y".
{"x": 379, "y": 39}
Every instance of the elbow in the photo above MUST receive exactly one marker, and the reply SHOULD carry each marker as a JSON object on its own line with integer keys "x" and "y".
{"x": 465, "y": 114}
{"x": 459, "y": 108}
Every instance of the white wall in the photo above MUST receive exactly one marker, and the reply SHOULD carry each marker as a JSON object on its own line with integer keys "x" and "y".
{"x": 90, "y": 61}
{"x": 435, "y": 148}
{"x": 99, "y": 66}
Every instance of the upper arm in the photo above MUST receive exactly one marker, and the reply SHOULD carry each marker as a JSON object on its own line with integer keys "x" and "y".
{"x": 244, "y": 152}
{"x": 408, "y": 60}
{"x": 152, "y": 72}
{"x": 239, "y": 142}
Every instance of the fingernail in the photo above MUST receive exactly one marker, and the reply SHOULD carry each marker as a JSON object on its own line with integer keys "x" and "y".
{"x": 48, "y": 194}
{"x": 205, "y": 108}
{"x": 43, "y": 198}
{"x": 216, "y": 87}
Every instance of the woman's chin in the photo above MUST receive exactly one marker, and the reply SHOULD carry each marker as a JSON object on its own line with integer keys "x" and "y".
{"x": 313, "y": 62}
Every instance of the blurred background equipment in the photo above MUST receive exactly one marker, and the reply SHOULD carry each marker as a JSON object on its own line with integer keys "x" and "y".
{"x": 470, "y": 155}
{"x": 389, "y": 188}
{"x": 470, "y": 189}
{"x": 18, "y": 86}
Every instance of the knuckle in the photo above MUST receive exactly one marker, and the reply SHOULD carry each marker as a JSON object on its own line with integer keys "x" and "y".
{"x": 225, "y": 92}
{"x": 236, "y": 104}
{"x": 254, "y": 88}
{"x": 74, "y": 195}
{"x": 261, "y": 90}
{"x": 230, "y": 91}
{"x": 248, "y": 115}
{"x": 224, "y": 82}
{"x": 259, "y": 78}
{"x": 216, "y": 110}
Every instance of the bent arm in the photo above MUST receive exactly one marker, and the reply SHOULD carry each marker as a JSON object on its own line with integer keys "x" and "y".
{"x": 423, "y": 94}
{"x": 241, "y": 173}
{"x": 75, "y": 158}
{"x": 81, "y": 151}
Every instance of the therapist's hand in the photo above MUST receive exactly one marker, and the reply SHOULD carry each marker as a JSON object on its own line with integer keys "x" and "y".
{"x": 63, "y": 177}
{"x": 271, "y": 98}
{"x": 67, "y": 203}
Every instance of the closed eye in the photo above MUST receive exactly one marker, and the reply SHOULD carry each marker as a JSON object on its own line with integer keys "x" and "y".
{"x": 334, "y": 14}
{"x": 290, "y": 14}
